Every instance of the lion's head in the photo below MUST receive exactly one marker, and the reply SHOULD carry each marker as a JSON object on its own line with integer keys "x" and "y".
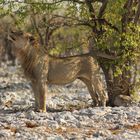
{"x": 20, "y": 39}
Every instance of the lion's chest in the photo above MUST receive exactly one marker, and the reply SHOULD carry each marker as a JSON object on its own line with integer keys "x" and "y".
{"x": 63, "y": 72}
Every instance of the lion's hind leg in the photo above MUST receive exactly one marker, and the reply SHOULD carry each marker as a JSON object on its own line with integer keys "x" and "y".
{"x": 96, "y": 93}
{"x": 90, "y": 87}
{"x": 99, "y": 88}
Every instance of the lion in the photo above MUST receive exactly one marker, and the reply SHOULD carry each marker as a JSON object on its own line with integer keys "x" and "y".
{"x": 42, "y": 69}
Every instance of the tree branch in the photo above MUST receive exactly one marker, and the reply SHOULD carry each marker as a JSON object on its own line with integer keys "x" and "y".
{"x": 90, "y": 8}
{"x": 102, "y": 9}
{"x": 110, "y": 25}
{"x": 125, "y": 17}
{"x": 92, "y": 15}
{"x": 49, "y": 3}
{"x": 78, "y": 21}
{"x": 33, "y": 20}
{"x": 136, "y": 19}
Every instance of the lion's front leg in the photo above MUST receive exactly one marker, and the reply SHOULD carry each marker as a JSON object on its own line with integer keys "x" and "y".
{"x": 35, "y": 91}
{"x": 42, "y": 97}
{"x": 40, "y": 93}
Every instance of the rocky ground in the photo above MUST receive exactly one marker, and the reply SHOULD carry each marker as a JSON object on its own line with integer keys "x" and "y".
{"x": 70, "y": 113}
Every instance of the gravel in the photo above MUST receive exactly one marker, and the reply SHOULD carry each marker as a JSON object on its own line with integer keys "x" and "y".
{"x": 70, "y": 114}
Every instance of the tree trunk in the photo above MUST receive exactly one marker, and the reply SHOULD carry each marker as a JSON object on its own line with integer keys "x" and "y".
{"x": 118, "y": 87}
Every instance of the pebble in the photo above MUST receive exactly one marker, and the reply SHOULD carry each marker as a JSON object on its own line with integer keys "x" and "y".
{"x": 71, "y": 116}
{"x": 52, "y": 124}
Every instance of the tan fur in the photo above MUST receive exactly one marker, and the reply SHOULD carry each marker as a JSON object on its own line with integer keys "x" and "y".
{"x": 42, "y": 69}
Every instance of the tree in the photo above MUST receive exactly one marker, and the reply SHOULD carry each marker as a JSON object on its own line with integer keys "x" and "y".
{"x": 113, "y": 29}
{"x": 116, "y": 30}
